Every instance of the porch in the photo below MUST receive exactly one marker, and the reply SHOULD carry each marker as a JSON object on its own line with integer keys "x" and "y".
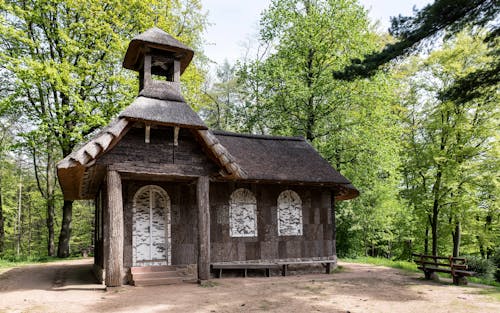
{"x": 142, "y": 229}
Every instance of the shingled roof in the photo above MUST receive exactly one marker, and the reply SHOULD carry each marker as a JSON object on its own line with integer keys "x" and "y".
{"x": 283, "y": 159}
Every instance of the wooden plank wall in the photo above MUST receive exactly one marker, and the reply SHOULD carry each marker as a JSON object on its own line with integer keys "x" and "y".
{"x": 160, "y": 154}
{"x": 317, "y": 230}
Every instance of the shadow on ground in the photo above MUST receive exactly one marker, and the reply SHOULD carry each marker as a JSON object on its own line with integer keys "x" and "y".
{"x": 50, "y": 277}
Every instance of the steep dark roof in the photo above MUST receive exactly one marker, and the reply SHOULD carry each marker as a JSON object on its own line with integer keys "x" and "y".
{"x": 165, "y": 112}
{"x": 158, "y": 39}
{"x": 286, "y": 159}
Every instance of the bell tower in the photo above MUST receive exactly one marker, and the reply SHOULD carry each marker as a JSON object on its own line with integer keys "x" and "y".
{"x": 160, "y": 60}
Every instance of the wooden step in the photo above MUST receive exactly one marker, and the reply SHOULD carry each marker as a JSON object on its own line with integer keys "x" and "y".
{"x": 158, "y": 281}
{"x": 160, "y": 275}
{"x": 151, "y": 269}
{"x": 148, "y": 275}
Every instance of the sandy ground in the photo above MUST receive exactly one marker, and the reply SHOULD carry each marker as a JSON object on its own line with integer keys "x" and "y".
{"x": 69, "y": 287}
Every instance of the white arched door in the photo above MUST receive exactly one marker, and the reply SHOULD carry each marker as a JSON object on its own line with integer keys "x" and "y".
{"x": 151, "y": 227}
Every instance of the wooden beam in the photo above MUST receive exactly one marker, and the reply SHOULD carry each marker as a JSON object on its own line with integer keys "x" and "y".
{"x": 202, "y": 198}
{"x": 114, "y": 220}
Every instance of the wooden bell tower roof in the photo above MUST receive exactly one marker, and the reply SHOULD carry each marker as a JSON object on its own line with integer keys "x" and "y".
{"x": 156, "y": 39}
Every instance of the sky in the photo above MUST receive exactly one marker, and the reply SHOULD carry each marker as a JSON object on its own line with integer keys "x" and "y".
{"x": 234, "y": 22}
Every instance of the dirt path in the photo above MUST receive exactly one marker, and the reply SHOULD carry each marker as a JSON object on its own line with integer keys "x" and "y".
{"x": 68, "y": 287}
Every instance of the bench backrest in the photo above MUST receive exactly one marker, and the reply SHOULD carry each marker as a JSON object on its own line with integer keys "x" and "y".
{"x": 454, "y": 263}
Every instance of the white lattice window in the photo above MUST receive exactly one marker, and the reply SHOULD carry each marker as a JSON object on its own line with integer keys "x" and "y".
{"x": 289, "y": 214}
{"x": 242, "y": 214}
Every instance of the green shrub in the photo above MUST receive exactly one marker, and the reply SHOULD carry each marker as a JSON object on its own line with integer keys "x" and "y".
{"x": 496, "y": 261}
{"x": 483, "y": 267}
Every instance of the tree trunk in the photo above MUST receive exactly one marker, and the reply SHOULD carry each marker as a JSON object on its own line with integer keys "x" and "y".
{"x": 434, "y": 228}
{"x": 426, "y": 241}
{"x": 50, "y": 205}
{"x": 64, "y": 236}
{"x": 435, "y": 210}
{"x": 456, "y": 239}
{"x": 19, "y": 208}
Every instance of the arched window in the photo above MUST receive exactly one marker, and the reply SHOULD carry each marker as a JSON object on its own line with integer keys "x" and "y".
{"x": 289, "y": 214}
{"x": 242, "y": 214}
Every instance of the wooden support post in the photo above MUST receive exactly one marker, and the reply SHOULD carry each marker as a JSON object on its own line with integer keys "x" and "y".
{"x": 177, "y": 71}
{"x": 202, "y": 198}
{"x": 147, "y": 134}
{"x": 331, "y": 267}
{"x": 176, "y": 135}
{"x": 114, "y": 220}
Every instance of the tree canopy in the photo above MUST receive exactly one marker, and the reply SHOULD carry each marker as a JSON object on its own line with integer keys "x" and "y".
{"x": 441, "y": 18}
{"x": 61, "y": 64}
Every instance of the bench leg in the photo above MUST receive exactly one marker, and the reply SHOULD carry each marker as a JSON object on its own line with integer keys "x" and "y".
{"x": 283, "y": 270}
{"x": 220, "y": 272}
{"x": 460, "y": 280}
{"x": 268, "y": 272}
{"x": 245, "y": 273}
{"x": 427, "y": 274}
{"x": 328, "y": 268}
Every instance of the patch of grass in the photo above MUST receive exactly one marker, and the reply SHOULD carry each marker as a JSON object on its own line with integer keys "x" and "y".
{"x": 412, "y": 267}
{"x": 402, "y": 265}
{"x": 490, "y": 282}
{"x": 23, "y": 261}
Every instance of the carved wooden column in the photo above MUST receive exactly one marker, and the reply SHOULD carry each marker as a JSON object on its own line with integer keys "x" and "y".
{"x": 202, "y": 198}
{"x": 114, "y": 220}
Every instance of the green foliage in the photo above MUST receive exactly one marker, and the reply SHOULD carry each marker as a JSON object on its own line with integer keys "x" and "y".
{"x": 496, "y": 261}
{"x": 450, "y": 148}
{"x": 429, "y": 23}
{"x": 287, "y": 89}
{"x": 16, "y": 261}
{"x": 484, "y": 268}
{"x": 423, "y": 163}
{"x": 64, "y": 59}
{"x": 62, "y": 79}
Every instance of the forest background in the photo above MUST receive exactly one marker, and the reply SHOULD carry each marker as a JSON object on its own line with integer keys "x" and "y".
{"x": 410, "y": 117}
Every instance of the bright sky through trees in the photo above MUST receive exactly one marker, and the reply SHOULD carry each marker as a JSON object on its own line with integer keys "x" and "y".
{"x": 234, "y": 21}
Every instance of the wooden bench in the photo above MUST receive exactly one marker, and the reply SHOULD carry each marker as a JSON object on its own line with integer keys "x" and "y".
{"x": 218, "y": 267}
{"x": 455, "y": 266}
{"x": 327, "y": 264}
{"x": 281, "y": 264}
